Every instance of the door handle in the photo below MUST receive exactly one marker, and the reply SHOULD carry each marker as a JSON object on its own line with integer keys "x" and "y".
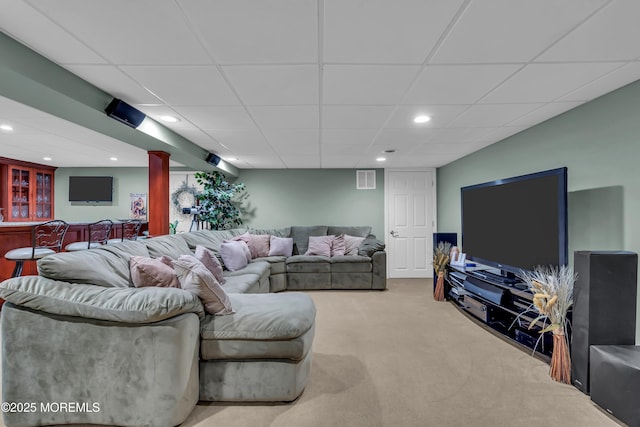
{"x": 394, "y": 233}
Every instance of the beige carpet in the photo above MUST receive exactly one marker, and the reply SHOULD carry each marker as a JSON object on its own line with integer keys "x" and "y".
{"x": 398, "y": 358}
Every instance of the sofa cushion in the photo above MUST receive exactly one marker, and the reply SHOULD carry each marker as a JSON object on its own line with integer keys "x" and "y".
{"x": 276, "y": 263}
{"x": 210, "y": 239}
{"x": 235, "y": 254}
{"x": 300, "y": 235}
{"x": 196, "y": 278}
{"x": 358, "y": 231}
{"x": 172, "y": 245}
{"x": 351, "y": 264}
{"x": 102, "y": 266}
{"x": 308, "y": 264}
{"x": 280, "y": 246}
{"x": 210, "y": 260}
{"x": 242, "y": 284}
{"x": 262, "y": 317}
{"x": 370, "y": 245}
{"x": 152, "y": 272}
{"x": 127, "y": 305}
{"x": 278, "y": 232}
{"x": 320, "y": 245}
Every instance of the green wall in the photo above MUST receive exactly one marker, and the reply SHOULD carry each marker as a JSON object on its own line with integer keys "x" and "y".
{"x": 599, "y": 143}
{"x": 284, "y": 197}
{"x": 125, "y": 181}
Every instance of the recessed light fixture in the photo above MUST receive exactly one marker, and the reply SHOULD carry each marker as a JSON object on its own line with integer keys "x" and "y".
{"x": 231, "y": 159}
{"x": 381, "y": 159}
{"x": 8, "y": 128}
{"x": 113, "y": 159}
{"x": 421, "y": 119}
{"x": 47, "y": 158}
{"x": 169, "y": 119}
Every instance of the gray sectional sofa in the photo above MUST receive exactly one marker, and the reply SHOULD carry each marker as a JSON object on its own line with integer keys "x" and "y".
{"x": 81, "y": 345}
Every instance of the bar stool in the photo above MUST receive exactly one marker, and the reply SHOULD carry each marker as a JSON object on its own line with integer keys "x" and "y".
{"x": 98, "y": 235}
{"x": 130, "y": 230}
{"x": 46, "y": 239}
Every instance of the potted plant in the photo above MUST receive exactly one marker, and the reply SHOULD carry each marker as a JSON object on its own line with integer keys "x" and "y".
{"x": 441, "y": 257}
{"x": 219, "y": 200}
{"x": 552, "y": 290}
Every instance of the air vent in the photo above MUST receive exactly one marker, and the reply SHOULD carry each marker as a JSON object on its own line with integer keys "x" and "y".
{"x": 366, "y": 180}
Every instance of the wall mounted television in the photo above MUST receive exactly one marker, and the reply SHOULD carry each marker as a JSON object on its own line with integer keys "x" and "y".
{"x": 90, "y": 188}
{"x": 517, "y": 223}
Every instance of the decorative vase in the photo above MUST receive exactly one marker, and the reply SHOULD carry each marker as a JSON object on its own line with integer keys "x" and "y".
{"x": 560, "y": 359}
{"x": 438, "y": 294}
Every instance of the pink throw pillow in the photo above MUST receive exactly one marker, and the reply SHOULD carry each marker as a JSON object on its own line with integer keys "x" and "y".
{"x": 320, "y": 245}
{"x": 338, "y": 246}
{"x": 259, "y": 245}
{"x": 152, "y": 272}
{"x": 195, "y": 278}
{"x": 210, "y": 260}
{"x": 280, "y": 246}
{"x": 352, "y": 244}
{"x": 235, "y": 254}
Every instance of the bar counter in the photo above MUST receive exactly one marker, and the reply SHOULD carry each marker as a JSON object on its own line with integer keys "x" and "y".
{"x": 18, "y": 235}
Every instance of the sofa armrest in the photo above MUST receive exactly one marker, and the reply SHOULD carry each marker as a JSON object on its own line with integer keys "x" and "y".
{"x": 379, "y": 270}
{"x": 126, "y": 305}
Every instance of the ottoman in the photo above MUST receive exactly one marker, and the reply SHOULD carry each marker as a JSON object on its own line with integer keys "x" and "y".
{"x": 262, "y": 352}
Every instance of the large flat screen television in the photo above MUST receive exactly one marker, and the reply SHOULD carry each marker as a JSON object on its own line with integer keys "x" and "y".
{"x": 90, "y": 188}
{"x": 517, "y": 223}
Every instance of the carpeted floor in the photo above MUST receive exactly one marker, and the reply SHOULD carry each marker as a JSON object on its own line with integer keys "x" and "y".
{"x": 398, "y": 358}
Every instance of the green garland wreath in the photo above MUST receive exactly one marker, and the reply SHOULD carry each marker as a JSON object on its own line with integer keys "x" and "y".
{"x": 180, "y": 191}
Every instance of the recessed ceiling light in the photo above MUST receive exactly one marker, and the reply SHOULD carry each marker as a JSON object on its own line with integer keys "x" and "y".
{"x": 231, "y": 159}
{"x": 169, "y": 119}
{"x": 47, "y": 158}
{"x": 381, "y": 159}
{"x": 6, "y": 127}
{"x": 113, "y": 159}
{"x": 421, "y": 119}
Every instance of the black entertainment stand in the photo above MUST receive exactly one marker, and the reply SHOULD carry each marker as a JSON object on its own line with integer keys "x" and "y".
{"x": 499, "y": 303}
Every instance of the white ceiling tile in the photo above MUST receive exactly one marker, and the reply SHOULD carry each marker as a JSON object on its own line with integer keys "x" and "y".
{"x": 298, "y": 140}
{"x": 547, "y": 82}
{"x": 212, "y": 118}
{"x": 113, "y": 28}
{"x": 610, "y": 35}
{"x": 282, "y": 117}
{"x": 543, "y": 113}
{"x": 275, "y": 84}
{"x": 116, "y": 83}
{"x": 340, "y": 162}
{"x": 605, "y": 84}
{"x": 459, "y": 135}
{"x": 402, "y": 139}
{"x": 188, "y": 85}
{"x": 366, "y": 84}
{"x": 348, "y": 137}
{"x": 58, "y": 45}
{"x": 380, "y": 31}
{"x": 241, "y": 32}
{"x": 491, "y": 31}
{"x": 301, "y": 161}
{"x": 262, "y": 162}
{"x": 355, "y": 116}
{"x": 457, "y": 84}
{"x": 493, "y": 115}
{"x": 242, "y": 141}
{"x": 441, "y": 115}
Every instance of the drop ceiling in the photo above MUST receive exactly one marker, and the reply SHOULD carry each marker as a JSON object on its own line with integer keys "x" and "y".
{"x": 328, "y": 83}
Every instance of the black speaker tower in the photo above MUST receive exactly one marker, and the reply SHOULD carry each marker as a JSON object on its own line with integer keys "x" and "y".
{"x": 604, "y": 306}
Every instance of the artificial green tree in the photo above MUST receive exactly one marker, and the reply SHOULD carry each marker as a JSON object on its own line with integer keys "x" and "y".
{"x": 220, "y": 200}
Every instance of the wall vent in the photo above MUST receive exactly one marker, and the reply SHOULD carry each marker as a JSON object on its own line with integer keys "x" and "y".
{"x": 366, "y": 180}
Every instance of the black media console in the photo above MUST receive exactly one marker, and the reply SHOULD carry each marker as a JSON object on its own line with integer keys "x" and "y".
{"x": 502, "y": 304}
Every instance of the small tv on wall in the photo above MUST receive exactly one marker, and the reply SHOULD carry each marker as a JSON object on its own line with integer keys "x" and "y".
{"x": 517, "y": 223}
{"x": 90, "y": 188}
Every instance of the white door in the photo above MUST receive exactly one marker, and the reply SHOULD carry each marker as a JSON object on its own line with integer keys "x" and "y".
{"x": 410, "y": 222}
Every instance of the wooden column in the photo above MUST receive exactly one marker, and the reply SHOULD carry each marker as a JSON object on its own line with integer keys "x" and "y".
{"x": 158, "y": 193}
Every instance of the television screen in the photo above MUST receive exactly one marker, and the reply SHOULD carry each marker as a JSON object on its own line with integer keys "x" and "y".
{"x": 90, "y": 188}
{"x": 517, "y": 223}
